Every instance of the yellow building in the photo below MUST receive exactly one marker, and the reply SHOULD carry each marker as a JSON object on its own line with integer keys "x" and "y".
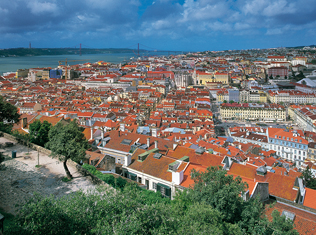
{"x": 201, "y": 78}
{"x": 261, "y": 112}
{"x": 222, "y": 95}
{"x": 263, "y": 97}
{"x": 224, "y": 78}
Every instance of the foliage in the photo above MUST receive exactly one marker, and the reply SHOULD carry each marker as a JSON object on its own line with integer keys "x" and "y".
{"x": 2, "y": 158}
{"x": 310, "y": 181}
{"x": 271, "y": 77}
{"x": 65, "y": 179}
{"x": 39, "y": 132}
{"x": 8, "y": 221}
{"x": 67, "y": 142}
{"x": 280, "y": 225}
{"x": 122, "y": 184}
{"x": 135, "y": 211}
{"x": 223, "y": 190}
{"x": 20, "y": 136}
{"x": 8, "y": 115}
{"x": 300, "y": 76}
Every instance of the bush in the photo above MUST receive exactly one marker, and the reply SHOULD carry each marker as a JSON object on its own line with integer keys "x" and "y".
{"x": 107, "y": 178}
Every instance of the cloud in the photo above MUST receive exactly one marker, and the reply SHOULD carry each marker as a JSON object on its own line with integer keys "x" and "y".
{"x": 154, "y": 20}
{"x": 38, "y": 7}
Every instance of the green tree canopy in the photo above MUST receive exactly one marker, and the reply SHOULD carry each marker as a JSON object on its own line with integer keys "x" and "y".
{"x": 67, "y": 142}
{"x": 39, "y": 132}
{"x": 309, "y": 179}
{"x": 8, "y": 115}
{"x": 133, "y": 211}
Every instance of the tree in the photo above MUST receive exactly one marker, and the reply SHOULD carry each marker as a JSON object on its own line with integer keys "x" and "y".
{"x": 310, "y": 181}
{"x": 280, "y": 225}
{"x": 300, "y": 75}
{"x": 136, "y": 211}
{"x": 8, "y": 115}
{"x": 225, "y": 101}
{"x": 39, "y": 132}
{"x": 221, "y": 191}
{"x": 271, "y": 77}
{"x": 67, "y": 142}
{"x": 2, "y": 158}
{"x": 231, "y": 101}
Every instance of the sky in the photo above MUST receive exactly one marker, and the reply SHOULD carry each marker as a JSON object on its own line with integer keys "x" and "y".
{"x": 181, "y": 25}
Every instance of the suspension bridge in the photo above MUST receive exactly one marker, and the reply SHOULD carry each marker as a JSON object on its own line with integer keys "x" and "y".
{"x": 138, "y": 49}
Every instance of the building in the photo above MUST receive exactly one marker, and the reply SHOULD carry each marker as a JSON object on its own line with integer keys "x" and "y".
{"x": 311, "y": 154}
{"x": 289, "y": 144}
{"x": 224, "y": 78}
{"x": 278, "y": 72}
{"x": 253, "y": 111}
{"x": 30, "y": 108}
{"x": 233, "y": 94}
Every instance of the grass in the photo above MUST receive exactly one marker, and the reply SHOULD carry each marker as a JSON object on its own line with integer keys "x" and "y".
{"x": 65, "y": 179}
{"x": 38, "y": 166}
{"x": 8, "y": 219}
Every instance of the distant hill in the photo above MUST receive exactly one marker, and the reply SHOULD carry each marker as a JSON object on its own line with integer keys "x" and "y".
{"x": 61, "y": 51}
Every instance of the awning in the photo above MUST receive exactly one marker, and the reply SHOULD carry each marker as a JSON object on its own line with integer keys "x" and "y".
{"x": 164, "y": 186}
{"x": 132, "y": 174}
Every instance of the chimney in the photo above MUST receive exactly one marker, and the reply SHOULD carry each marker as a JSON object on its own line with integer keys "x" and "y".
{"x": 91, "y": 133}
{"x": 24, "y": 122}
{"x": 122, "y": 127}
{"x": 156, "y": 144}
{"x": 154, "y": 132}
{"x": 102, "y": 133}
{"x": 174, "y": 146}
{"x": 148, "y": 142}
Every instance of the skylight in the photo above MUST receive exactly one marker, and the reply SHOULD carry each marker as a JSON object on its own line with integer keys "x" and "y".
{"x": 126, "y": 142}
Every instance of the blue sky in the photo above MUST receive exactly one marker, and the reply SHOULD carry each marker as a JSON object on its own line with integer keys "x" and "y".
{"x": 186, "y": 25}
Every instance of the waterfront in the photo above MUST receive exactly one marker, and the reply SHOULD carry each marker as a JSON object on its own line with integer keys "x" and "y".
{"x": 12, "y": 64}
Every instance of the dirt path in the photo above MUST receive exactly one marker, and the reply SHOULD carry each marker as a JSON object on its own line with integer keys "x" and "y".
{"x": 20, "y": 178}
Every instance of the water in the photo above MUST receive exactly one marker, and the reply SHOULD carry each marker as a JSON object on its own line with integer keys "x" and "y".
{"x": 12, "y": 64}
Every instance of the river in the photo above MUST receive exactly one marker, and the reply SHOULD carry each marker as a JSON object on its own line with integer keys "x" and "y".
{"x": 12, "y": 64}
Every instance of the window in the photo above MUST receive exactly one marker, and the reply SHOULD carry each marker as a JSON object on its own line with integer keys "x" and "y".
{"x": 147, "y": 184}
{"x": 154, "y": 186}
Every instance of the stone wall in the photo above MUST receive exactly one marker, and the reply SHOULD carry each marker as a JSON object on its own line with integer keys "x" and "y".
{"x": 290, "y": 203}
{"x": 86, "y": 173}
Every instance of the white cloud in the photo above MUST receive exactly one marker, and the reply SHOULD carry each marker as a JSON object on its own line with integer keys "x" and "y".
{"x": 37, "y": 7}
{"x": 279, "y": 7}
